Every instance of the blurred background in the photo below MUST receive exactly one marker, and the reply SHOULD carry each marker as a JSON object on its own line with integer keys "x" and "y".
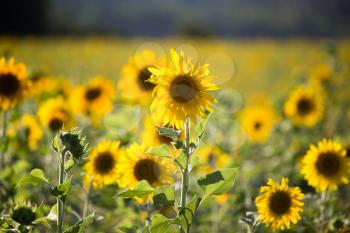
{"x": 159, "y": 18}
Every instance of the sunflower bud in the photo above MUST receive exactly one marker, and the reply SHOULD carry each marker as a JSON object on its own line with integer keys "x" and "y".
{"x": 24, "y": 215}
{"x": 73, "y": 143}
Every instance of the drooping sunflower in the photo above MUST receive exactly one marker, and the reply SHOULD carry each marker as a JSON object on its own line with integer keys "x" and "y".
{"x": 32, "y": 130}
{"x": 212, "y": 158}
{"x": 94, "y": 99}
{"x": 55, "y": 113}
{"x": 258, "y": 122}
{"x": 102, "y": 165}
{"x": 305, "y": 106}
{"x": 136, "y": 165}
{"x": 279, "y": 205}
{"x": 133, "y": 84}
{"x": 181, "y": 91}
{"x": 14, "y": 84}
{"x": 326, "y": 166}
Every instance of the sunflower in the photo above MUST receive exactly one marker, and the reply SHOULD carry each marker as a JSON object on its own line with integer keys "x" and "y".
{"x": 101, "y": 167}
{"x": 48, "y": 86}
{"x": 133, "y": 84}
{"x": 212, "y": 158}
{"x": 32, "y": 130}
{"x": 94, "y": 99}
{"x": 181, "y": 91}
{"x": 305, "y": 106}
{"x": 258, "y": 122}
{"x": 279, "y": 205}
{"x": 326, "y": 165}
{"x": 321, "y": 73}
{"x": 55, "y": 113}
{"x": 13, "y": 83}
{"x": 136, "y": 165}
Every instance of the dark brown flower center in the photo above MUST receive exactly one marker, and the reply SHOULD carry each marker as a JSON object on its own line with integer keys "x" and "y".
{"x": 183, "y": 89}
{"x": 92, "y": 93}
{"x": 280, "y": 202}
{"x": 257, "y": 125}
{"x": 348, "y": 152}
{"x": 55, "y": 124}
{"x": 328, "y": 164}
{"x": 9, "y": 85}
{"x": 305, "y": 106}
{"x": 104, "y": 163}
{"x": 143, "y": 76}
{"x": 147, "y": 169}
{"x": 212, "y": 159}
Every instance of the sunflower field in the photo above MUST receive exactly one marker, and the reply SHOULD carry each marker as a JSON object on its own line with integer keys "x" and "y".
{"x": 174, "y": 135}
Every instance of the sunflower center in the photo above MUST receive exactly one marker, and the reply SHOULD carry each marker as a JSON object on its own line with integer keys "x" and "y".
{"x": 211, "y": 159}
{"x": 257, "y": 125}
{"x": 9, "y": 85}
{"x": 183, "y": 89}
{"x": 104, "y": 163}
{"x": 328, "y": 164}
{"x": 143, "y": 76}
{"x": 280, "y": 202}
{"x": 92, "y": 94}
{"x": 55, "y": 124}
{"x": 27, "y": 132}
{"x": 147, "y": 169}
{"x": 305, "y": 106}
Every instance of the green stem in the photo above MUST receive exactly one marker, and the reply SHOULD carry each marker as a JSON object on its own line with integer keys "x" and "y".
{"x": 185, "y": 172}
{"x": 148, "y": 218}
{"x": 323, "y": 216}
{"x": 60, "y": 203}
{"x": 4, "y": 132}
{"x": 86, "y": 201}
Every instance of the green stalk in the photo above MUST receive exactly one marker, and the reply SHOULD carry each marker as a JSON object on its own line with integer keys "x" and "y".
{"x": 60, "y": 203}
{"x": 185, "y": 172}
{"x": 4, "y": 132}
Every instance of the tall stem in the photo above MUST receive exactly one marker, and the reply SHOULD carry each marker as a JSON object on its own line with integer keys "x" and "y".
{"x": 86, "y": 201}
{"x": 323, "y": 214}
{"x": 3, "y": 136}
{"x": 185, "y": 172}
{"x": 60, "y": 203}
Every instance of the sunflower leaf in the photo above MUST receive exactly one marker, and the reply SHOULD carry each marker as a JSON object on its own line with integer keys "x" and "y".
{"x": 79, "y": 227}
{"x": 169, "y": 132}
{"x": 164, "y": 196}
{"x": 199, "y": 129}
{"x": 160, "y": 151}
{"x": 180, "y": 160}
{"x": 35, "y": 177}
{"x": 161, "y": 224}
{"x": 186, "y": 219}
{"x": 61, "y": 191}
{"x": 142, "y": 189}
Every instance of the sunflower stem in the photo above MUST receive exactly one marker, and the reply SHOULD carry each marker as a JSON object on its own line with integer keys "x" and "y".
{"x": 148, "y": 218}
{"x": 86, "y": 201}
{"x": 3, "y": 136}
{"x": 185, "y": 173}
{"x": 323, "y": 225}
{"x": 60, "y": 203}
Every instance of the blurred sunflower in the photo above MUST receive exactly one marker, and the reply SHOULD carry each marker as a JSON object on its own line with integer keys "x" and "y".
{"x": 326, "y": 165}
{"x": 181, "y": 91}
{"x": 14, "y": 84}
{"x": 321, "y": 73}
{"x": 136, "y": 165}
{"x": 55, "y": 113}
{"x": 48, "y": 86}
{"x": 95, "y": 99}
{"x": 102, "y": 164}
{"x": 212, "y": 158}
{"x": 133, "y": 84}
{"x": 305, "y": 106}
{"x": 32, "y": 130}
{"x": 279, "y": 205}
{"x": 258, "y": 122}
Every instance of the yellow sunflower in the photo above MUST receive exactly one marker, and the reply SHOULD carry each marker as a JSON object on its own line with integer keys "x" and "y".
{"x": 47, "y": 86}
{"x": 133, "y": 84}
{"x": 13, "y": 83}
{"x": 258, "y": 122}
{"x": 326, "y": 165}
{"x": 95, "y": 99}
{"x": 212, "y": 158}
{"x": 305, "y": 106}
{"x": 321, "y": 73}
{"x": 102, "y": 165}
{"x": 55, "y": 113}
{"x": 181, "y": 91}
{"x": 32, "y": 129}
{"x": 136, "y": 165}
{"x": 279, "y": 205}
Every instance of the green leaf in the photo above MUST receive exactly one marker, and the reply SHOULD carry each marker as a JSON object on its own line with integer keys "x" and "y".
{"x": 160, "y": 151}
{"x": 164, "y": 196}
{"x": 180, "y": 160}
{"x": 56, "y": 143}
{"x": 68, "y": 165}
{"x": 61, "y": 191}
{"x": 35, "y": 177}
{"x": 218, "y": 182}
{"x": 169, "y": 132}
{"x": 160, "y": 224}
{"x": 199, "y": 130}
{"x": 194, "y": 161}
{"x": 142, "y": 189}
{"x": 186, "y": 219}
{"x": 79, "y": 227}
{"x": 53, "y": 213}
